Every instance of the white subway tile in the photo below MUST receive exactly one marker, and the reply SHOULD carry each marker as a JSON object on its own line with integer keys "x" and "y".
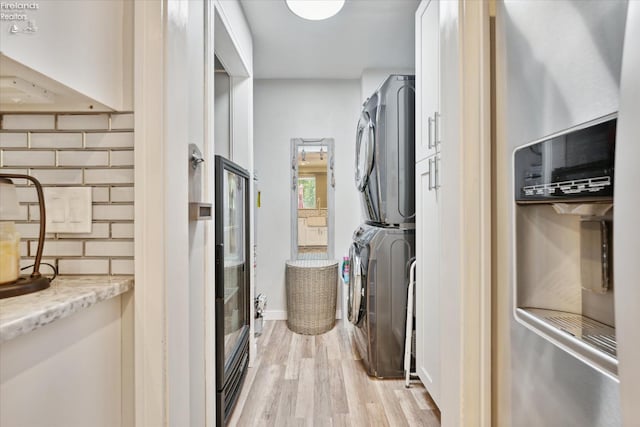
{"x": 24, "y": 249}
{"x": 108, "y": 176}
{"x": 13, "y": 140}
{"x": 122, "y": 158}
{"x": 28, "y": 121}
{"x": 34, "y": 212}
{"x": 18, "y": 171}
{"x": 122, "y": 230}
{"x": 58, "y": 176}
{"x": 122, "y": 121}
{"x": 113, "y": 139}
{"x": 56, "y": 140}
{"x": 83, "y": 158}
{"x": 122, "y": 194}
{"x": 27, "y": 194}
{"x": 83, "y": 266}
{"x": 122, "y": 266}
{"x": 100, "y": 194}
{"x": 21, "y": 215}
{"x": 99, "y": 230}
{"x": 109, "y": 248}
{"x": 28, "y": 231}
{"x": 44, "y": 269}
{"x": 59, "y": 247}
{"x": 83, "y": 121}
{"x": 29, "y": 158}
{"x": 113, "y": 212}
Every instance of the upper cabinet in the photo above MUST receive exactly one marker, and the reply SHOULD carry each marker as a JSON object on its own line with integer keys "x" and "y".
{"x": 68, "y": 55}
{"x": 427, "y": 79}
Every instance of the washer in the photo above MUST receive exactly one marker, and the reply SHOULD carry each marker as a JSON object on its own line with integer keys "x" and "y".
{"x": 377, "y": 296}
{"x": 385, "y": 153}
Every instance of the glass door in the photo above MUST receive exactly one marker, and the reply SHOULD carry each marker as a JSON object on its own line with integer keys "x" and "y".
{"x": 232, "y": 264}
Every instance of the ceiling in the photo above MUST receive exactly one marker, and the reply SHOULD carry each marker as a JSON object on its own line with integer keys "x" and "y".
{"x": 365, "y": 34}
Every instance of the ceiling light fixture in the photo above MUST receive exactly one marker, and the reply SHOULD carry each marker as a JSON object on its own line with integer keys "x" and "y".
{"x": 315, "y": 10}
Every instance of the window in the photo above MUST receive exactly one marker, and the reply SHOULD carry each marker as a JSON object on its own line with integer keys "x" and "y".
{"x": 307, "y": 192}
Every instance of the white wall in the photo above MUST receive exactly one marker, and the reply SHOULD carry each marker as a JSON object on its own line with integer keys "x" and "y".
{"x": 286, "y": 109}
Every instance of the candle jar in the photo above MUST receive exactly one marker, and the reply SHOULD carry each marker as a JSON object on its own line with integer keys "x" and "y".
{"x": 9, "y": 253}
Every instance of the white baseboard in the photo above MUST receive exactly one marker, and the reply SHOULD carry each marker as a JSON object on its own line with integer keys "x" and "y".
{"x": 275, "y": 315}
{"x": 282, "y": 314}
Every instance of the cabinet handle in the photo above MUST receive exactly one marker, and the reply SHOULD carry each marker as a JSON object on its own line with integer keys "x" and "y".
{"x": 430, "y": 123}
{"x": 430, "y": 185}
{"x": 436, "y": 183}
{"x": 436, "y": 125}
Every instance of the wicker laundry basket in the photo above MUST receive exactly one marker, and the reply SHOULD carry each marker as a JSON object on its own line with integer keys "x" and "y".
{"x": 311, "y": 295}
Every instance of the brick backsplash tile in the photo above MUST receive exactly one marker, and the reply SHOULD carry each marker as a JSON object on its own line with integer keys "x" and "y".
{"x": 13, "y": 140}
{"x": 83, "y": 266}
{"x": 29, "y": 158}
{"x": 56, "y": 140}
{"x": 34, "y": 213}
{"x": 122, "y": 158}
{"x": 83, "y": 121}
{"x": 44, "y": 269}
{"x": 99, "y": 230}
{"x": 108, "y": 176}
{"x": 109, "y": 248}
{"x": 29, "y": 230}
{"x": 122, "y": 194}
{"x": 79, "y": 150}
{"x": 113, "y": 212}
{"x": 109, "y": 140}
{"x": 122, "y": 266}
{"x": 28, "y": 121}
{"x": 83, "y": 158}
{"x": 27, "y": 194}
{"x": 24, "y": 249}
{"x": 58, "y": 176}
{"x": 122, "y": 121}
{"x": 58, "y": 248}
{"x": 100, "y": 194}
{"x": 21, "y": 215}
{"x": 122, "y": 230}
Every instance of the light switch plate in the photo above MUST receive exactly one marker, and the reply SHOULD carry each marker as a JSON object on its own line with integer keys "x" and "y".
{"x": 68, "y": 209}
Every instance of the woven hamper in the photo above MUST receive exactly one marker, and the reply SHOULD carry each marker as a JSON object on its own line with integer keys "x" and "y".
{"x": 311, "y": 296}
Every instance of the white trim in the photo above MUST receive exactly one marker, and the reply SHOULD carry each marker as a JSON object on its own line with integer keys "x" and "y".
{"x": 275, "y": 315}
{"x": 282, "y": 314}
{"x": 149, "y": 300}
{"x": 476, "y": 251}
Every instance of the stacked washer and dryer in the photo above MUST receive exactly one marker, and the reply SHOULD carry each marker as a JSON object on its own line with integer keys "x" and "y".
{"x": 385, "y": 243}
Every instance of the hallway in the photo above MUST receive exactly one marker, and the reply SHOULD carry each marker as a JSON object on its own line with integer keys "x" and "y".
{"x": 319, "y": 380}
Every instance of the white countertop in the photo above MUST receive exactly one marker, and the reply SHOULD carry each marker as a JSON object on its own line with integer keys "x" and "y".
{"x": 66, "y": 295}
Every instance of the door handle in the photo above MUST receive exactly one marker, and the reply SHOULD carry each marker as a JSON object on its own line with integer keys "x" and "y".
{"x": 436, "y": 125}
{"x": 430, "y": 132}
{"x": 430, "y": 172}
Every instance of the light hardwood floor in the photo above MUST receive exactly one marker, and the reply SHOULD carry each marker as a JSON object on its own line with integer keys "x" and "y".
{"x": 302, "y": 380}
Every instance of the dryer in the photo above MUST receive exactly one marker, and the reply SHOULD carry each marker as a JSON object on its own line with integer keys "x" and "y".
{"x": 385, "y": 159}
{"x": 377, "y": 296}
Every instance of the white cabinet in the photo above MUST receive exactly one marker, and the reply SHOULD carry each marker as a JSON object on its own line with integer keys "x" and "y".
{"x": 428, "y": 274}
{"x": 80, "y": 51}
{"x": 311, "y": 235}
{"x": 427, "y": 79}
{"x": 428, "y": 197}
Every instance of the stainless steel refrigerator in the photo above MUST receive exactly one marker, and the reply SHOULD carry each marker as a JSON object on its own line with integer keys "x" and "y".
{"x": 558, "y": 73}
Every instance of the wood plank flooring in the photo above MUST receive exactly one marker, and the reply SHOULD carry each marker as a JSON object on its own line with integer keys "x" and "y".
{"x": 301, "y": 380}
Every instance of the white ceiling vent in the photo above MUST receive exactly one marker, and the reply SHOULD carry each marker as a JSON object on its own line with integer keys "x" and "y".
{"x": 14, "y": 90}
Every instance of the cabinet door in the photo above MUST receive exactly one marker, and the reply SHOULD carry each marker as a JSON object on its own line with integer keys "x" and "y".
{"x": 428, "y": 276}
{"x": 427, "y": 77}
